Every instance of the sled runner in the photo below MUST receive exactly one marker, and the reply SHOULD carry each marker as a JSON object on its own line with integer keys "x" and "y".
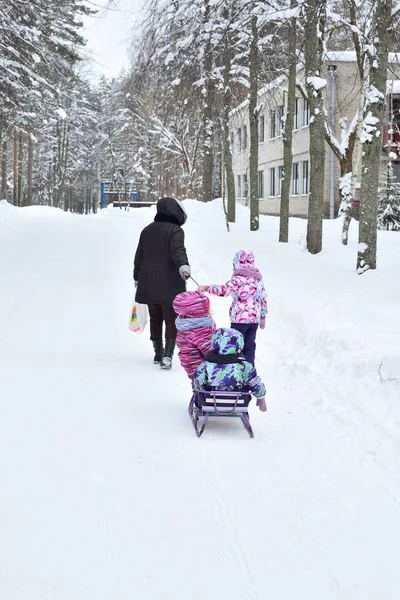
{"x": 204, "y": 405}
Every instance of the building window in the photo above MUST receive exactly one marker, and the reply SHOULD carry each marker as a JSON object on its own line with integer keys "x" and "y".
{"x": 279, "y": 182}
{"x": 306, "y": 113}
{"x": 272, "y": 186}
{"x": 295, "y": 179}
{"x": 261, "y": 132}
{"x": 260, "y": 185}
{"x": 296, "y": 114}
{"x": 281, "y": 112}
{"x": 239, "y": 139}
{"x": 272, "y": 126}
{"x": 239, "y": 187}
{"x": 244, "y": 137}
{"x": 305, "y": 177}
{"x": 232, "y": 143}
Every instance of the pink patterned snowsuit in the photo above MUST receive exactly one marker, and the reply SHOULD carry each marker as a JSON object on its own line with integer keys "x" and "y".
{"x": 195, "y": 328}
{"x": 249, "y": 299}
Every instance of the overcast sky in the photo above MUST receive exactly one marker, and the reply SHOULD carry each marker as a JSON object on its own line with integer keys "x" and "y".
{"x": 110, "y": 32}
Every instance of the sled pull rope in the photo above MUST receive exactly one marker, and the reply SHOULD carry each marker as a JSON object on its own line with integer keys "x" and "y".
{"x": 190, "y": 277}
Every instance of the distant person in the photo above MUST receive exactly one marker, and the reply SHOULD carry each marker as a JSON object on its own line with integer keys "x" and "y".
{"x": 249, "y": 300}
{"x": 161, "y": 268}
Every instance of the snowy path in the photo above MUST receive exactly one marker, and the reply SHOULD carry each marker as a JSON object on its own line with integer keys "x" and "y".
{"x": 106, "y": 493}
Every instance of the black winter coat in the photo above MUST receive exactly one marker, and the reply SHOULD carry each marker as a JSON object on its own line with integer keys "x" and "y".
{"x": 160, "y": 253}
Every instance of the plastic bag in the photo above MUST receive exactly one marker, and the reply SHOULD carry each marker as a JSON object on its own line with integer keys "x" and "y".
{"x": 138, "y": 317}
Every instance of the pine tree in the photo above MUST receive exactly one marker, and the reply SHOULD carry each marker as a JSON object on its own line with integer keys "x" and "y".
{"x": 389, "y": 202}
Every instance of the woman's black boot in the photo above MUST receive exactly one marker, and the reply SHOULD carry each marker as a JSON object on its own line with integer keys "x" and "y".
{"x": 159, "y": 351}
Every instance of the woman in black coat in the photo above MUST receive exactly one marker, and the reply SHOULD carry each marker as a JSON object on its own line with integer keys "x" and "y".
{"x": 160, "y": 270}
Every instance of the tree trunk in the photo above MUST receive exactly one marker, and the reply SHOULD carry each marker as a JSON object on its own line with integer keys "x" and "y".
{"x": 66, "y": 200}
{"x": 208, "y": 158}
{"x": 20, "y": 162}
{"x": 346, "y": 190}
{"x": 288, "y": 131}
{"x": 63, "y": 160}
{"x": 253, "y": 119}
{"x": 371, "y": 136}
{"x": 4, "y": 187}
{"x": 228, "y": 168}
{"x": 30, "y": 167}
{"x": 347, "y": 207}
{"x": 315, "y": 14}
{"x": 15, "y": 165}
{"x": 356, "y": 156}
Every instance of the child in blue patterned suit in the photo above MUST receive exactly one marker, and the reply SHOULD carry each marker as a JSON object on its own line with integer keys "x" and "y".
{"x": 226, "y": 369}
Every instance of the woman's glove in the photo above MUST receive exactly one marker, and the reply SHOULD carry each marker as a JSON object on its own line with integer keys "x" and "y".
{"x": 135, "y": 282}
{"x": 262, "y": 323}
{"x": 203, "y": 288}
{"x": 184, "y": 271}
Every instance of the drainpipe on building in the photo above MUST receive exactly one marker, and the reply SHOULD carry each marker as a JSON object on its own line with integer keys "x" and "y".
{"x": 332, "y": 69}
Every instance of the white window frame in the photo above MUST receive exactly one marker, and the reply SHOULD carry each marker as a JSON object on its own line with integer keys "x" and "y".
{"x": 306, "y": 113}
{"x": 305, "y": 178}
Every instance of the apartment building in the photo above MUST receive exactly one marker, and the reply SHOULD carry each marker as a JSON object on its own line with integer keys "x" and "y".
{"x": 342, "y": 99}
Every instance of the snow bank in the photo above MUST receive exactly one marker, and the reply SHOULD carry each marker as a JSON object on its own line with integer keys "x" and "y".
{"x": 106, "y": 491}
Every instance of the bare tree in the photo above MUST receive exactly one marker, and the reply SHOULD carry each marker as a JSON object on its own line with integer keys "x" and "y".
{"x": 4, "y": 187}
{"x": 378, "y": 51}
{"x": 288, "y": 128}
{"x": 208, "y": 91}
{"x": 227, "y": 103}
{"x": 253, "y": 119}
{"x": 30, "y": 165}
{"x": 314, "y": 28}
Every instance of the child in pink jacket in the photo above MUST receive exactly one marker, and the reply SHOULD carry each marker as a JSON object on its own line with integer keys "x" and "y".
{"x": 249, "y": 300}
{"x": 195, "y": 328}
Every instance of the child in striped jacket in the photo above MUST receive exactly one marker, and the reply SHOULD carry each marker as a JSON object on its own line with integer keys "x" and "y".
{"x": 195, "y": 328}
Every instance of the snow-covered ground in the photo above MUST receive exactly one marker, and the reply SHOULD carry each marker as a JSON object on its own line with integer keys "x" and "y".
{"x": 105, "y": 491}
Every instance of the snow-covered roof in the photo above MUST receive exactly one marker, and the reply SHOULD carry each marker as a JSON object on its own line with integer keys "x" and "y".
{"x": 341, "y": 56}
{"x": 350, "y": 56}
{"x": 333, "y": 56}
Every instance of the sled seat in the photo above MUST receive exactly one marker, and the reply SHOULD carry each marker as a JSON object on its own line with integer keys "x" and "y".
{"x": 205, "y": 404}
{"x": 224, "y": 402}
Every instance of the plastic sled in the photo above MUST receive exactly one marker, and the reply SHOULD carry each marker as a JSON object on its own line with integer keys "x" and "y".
{"x": 204, "y": 405}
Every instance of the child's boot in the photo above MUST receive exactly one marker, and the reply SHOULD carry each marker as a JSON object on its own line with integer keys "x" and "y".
{"x": 261, "y": 404}
{"x": 166, "y": 362}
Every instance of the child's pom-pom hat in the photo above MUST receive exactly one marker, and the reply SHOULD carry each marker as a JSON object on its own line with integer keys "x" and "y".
{"x": 191, "y": 304}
